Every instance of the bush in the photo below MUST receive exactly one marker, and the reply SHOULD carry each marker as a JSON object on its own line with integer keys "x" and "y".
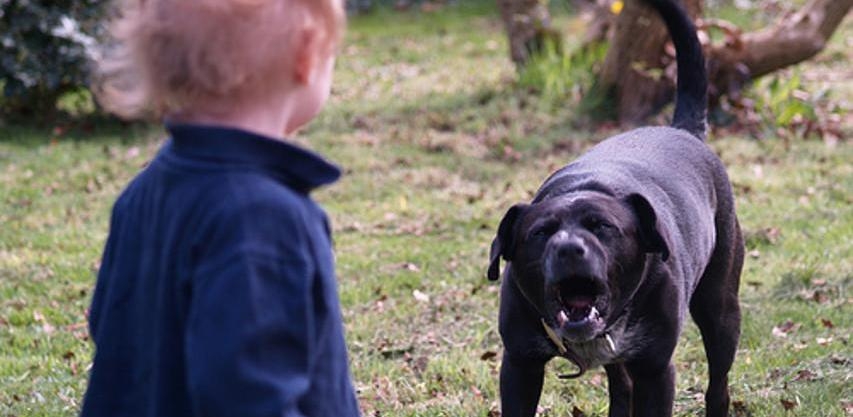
{"x": 559, "y": 77}
{"x": 46, "y": 49}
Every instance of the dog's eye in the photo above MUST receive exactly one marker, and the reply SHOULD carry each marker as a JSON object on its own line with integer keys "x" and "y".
{"x": 597, "y": 224}
{"x": 542, "y": 231}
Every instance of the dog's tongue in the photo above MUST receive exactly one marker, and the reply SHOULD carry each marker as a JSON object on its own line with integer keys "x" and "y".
{"x": 579, "y": 302}
{"x": 578, "y": 307}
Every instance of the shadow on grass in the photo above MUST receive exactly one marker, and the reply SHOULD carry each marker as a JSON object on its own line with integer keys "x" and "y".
{"x": 31, "y": 133}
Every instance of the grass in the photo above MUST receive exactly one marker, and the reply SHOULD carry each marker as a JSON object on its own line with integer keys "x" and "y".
{"x": 437, "y": 144}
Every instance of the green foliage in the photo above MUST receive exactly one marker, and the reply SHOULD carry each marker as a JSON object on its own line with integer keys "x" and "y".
{"x": 780, "y": 100}
{"x": 46, "y": 49}
{"x": 559, "y": 77}
{"x": 784, "y": 105}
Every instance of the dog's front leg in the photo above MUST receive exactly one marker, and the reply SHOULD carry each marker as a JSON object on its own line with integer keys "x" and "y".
{"x": 521, "y": 385}
{"x": 653, "y": 390}
{"x": 619, "y": 386}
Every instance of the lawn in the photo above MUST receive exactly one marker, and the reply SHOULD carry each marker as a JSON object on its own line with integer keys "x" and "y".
{"x": 436, "y": 143}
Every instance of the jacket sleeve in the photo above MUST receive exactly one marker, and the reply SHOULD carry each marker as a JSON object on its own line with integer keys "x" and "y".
{"x": 250, "y": 320}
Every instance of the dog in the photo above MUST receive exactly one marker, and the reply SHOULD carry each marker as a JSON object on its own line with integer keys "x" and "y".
{"x": 603, "y": 265}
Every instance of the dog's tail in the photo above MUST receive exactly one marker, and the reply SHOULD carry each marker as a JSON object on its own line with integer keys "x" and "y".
{"x": 691, "y": 99}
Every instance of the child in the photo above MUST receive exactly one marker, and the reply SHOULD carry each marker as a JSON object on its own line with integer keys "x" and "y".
{"x": 216, "y": 294}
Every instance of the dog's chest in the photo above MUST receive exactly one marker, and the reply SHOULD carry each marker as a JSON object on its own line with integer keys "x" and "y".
{"x": 593, "y": 353}
{"x": 618, "y": 344}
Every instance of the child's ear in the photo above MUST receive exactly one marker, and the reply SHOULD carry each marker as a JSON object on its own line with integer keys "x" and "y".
{"x": 307, "y": 56}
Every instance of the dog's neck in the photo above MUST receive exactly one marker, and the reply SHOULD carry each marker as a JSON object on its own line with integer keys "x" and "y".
{"x": 604, "y": 349}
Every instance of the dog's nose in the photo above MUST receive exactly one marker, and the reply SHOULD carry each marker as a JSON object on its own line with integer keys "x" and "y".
{"x": 572, "y": 248}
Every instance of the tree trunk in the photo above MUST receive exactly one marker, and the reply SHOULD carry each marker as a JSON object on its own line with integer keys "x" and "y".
{"x": 633, "y": 73}
{"x": 638, "y": 71}
{"x": 525, "y": 22}
{"x": 795, "y": 38}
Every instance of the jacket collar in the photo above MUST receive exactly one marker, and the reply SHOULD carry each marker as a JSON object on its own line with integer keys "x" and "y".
{"x": 300, "y": 168}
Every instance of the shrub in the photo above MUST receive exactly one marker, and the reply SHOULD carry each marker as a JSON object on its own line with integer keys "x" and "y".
{"x": 46, "y": 49}
{"x": 559, "y": 77}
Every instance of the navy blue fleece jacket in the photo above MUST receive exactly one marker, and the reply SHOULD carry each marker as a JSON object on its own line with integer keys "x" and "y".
{"x": 217, "y": 293}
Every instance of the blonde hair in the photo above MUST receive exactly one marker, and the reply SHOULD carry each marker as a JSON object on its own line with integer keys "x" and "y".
{"x": 170, "y": 55}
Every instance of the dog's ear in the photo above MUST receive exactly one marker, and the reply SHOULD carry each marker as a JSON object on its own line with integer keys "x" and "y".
{"x": 653, "y": 239}
{"x": 504, "y": 243}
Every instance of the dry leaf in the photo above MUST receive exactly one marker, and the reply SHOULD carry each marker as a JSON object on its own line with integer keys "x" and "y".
{"x": 805, "y": 375}
{"x": 739, "y": 407}
{"x": 820, "y": 297}
{"x": 788, "y": 405}
{"x": 411, "y": 267}
{"x": 420, "y": 296}
{"x": 823, "y": 341}
{"x": 785, "y": 328}
{"x": 132, "y": 152}
{"x": 576, "y": 412}
{"x": 827, "y": 323}
{"x": 488, "y": 356}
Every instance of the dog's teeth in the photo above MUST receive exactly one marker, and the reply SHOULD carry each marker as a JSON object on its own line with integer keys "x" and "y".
{"x": 593, "y": 313}
{"x": 562, "y": 318}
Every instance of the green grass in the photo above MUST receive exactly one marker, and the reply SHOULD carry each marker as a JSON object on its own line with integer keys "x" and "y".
{"x": 437, "y": 144}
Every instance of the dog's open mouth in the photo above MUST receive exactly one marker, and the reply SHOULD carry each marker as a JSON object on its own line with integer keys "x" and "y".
{"x": 576, "y": 310}
{"x": 576, "y": 303}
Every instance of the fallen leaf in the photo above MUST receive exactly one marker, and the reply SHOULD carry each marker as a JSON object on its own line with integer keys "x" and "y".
{"x": 596, "y": 380}
{"x": 488, "y": 355}
{"x": 411, "y": 267}
{"x": 838, "y": 360}
{"x": 823, "y": 341}
{"x": 739, "y": 408}
{"x": 805, "y": 375}
{"x": 45, "y": 326}
{"x": 785, "y": 328}
{"x": 827, "y": 323}
{"x": 421, "y": 297}
{"x": 788, "y": 405}
{"x": 419, "y": 364}
{"x": 576, "y": 412}
{"x": 132, "y": 152}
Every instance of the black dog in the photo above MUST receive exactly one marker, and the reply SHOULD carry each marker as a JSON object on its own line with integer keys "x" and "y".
{"x": 603, "y": 265}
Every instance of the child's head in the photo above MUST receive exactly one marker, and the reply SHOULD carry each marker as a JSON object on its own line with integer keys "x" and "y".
{"x": 172, "y": 56}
